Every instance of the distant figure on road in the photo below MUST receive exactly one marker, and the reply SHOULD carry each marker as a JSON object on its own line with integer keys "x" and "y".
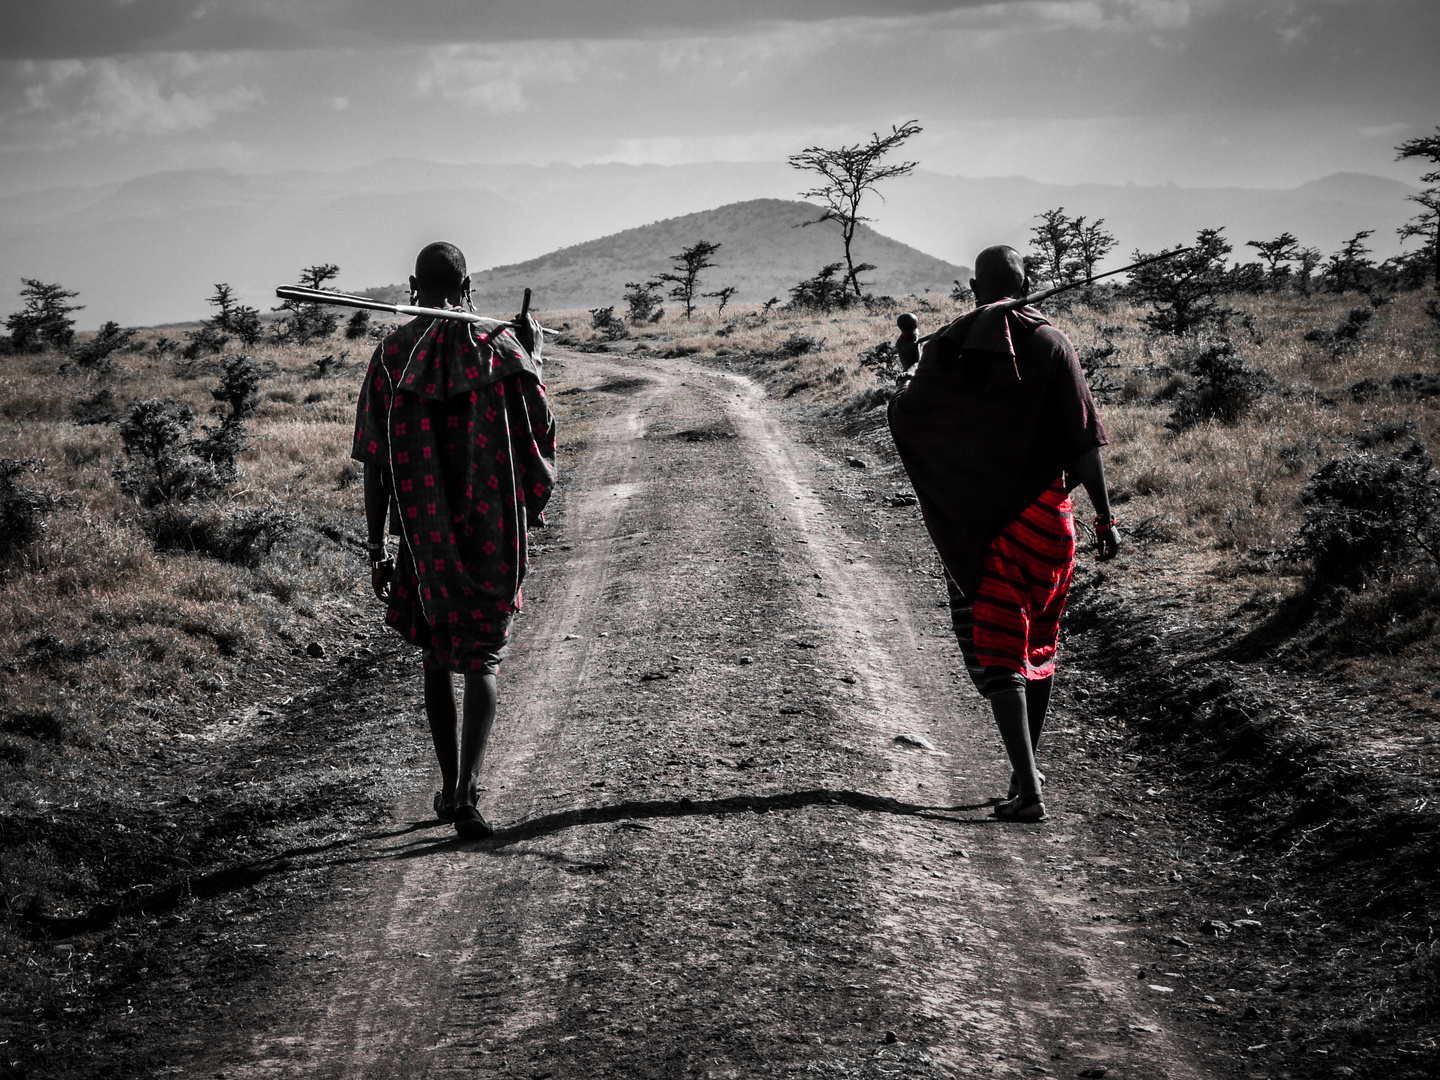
{"x": 458, "y": 445}
{"x": 995, "y": 427}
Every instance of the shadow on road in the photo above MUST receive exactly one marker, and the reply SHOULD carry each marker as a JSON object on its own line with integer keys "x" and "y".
{"x": 239, "y": 877}
{"x": 639, "y": 810}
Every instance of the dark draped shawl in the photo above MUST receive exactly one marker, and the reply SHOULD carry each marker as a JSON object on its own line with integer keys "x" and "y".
{"x": 459, "y": 421}
{"x": 998, "y": 408}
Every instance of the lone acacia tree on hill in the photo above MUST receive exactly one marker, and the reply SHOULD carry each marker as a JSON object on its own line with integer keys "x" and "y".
{"x": 845, "y": 175}
{"x": 1425, "y": 224}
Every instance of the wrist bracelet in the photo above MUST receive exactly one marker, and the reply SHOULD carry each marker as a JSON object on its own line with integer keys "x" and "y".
{"x": 1104, "y": 524}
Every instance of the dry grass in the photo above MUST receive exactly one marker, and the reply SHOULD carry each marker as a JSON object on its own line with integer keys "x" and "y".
{"x": 94, "y": 615}
{"x": 95, "y": 624}
{"x": 1223, "y": 500}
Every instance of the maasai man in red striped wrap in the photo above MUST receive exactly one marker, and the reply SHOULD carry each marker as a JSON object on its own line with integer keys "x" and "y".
{"x": 459, "y": 449}
{"x": 995, "y": 428}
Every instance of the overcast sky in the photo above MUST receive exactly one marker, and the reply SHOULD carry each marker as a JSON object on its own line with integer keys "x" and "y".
{"x": 1197, "y": 92}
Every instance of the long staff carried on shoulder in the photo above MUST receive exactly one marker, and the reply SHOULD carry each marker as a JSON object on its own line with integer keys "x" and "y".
{"x": 307, "y": 295}
{"x": 907, "y": 321}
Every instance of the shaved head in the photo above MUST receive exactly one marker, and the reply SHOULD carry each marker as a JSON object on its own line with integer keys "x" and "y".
{"x": 999, "y": 272}
{"x": 440, "y": 269}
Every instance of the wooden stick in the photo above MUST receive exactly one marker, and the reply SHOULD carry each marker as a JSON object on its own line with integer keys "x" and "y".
{"x": 307, "y": 295}
{"x": 1035, "y": 298}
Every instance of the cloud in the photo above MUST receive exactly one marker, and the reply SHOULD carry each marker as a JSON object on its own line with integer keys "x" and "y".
{"x": 494, "y": 78}
{"x": 74, "y": 100}
{"x": 58, "y": 29}
{"x": 1385, "y": 131}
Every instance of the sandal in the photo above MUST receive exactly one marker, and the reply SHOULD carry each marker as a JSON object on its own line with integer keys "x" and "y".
{"x": 1028, "y": 811}
{"x": 443, "y": 810}
{"x": 1014, "y": 792}
{"x": 470, "y": 823}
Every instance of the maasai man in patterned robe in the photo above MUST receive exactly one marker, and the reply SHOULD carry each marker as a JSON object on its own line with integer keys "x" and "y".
{"x": 459, "y": 450}
{"x": 995, "y": 428}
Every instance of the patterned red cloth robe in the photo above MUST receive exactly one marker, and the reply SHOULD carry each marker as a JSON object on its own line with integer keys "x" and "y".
{"x": 998, "y": 407}
{"x": 460, "y": 424}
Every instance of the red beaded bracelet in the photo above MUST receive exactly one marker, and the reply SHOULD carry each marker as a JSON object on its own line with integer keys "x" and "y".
{"x": 1105, "y": 524}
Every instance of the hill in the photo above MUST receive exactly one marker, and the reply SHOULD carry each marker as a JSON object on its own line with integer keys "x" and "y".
{"x": 149, "y": 250}
{"x": 765, "y": 248}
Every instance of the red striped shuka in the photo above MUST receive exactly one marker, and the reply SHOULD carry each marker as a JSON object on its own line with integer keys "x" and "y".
{"x": 1023, "y": 583}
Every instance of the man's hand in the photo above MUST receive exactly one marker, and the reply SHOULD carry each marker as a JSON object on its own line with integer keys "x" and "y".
{"x": 382, "y": 574}
{"x": 527, "y": 331}
{"x": 1107, "y": 540}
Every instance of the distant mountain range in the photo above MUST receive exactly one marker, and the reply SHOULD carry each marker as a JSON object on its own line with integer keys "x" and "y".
{"x": 151, "y": 249}
{"x": 766, "y": 246}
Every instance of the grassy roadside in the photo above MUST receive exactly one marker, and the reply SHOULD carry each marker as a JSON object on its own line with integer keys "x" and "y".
{"x": 163, "y": 721}
{"x": 1296, "y": 716}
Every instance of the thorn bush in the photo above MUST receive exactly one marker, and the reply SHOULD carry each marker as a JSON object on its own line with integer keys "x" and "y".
{"x": 604, "y": 321}
{"x": 1367, "y": 515}
{"x": 1222, "y": 388}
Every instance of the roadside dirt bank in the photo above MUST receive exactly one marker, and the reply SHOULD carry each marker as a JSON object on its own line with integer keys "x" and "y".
{"x": 714, "y": 857}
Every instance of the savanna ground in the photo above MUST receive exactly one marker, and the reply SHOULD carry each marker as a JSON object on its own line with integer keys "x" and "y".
{"x": 194, "y": 750}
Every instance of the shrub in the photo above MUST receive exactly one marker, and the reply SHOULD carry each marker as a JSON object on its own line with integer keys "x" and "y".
{"x": 240, "y": 536}
{"x": 1095, "y": 362}
{"x": 99, "y": 408}
{"x": 823, "y": 292}
{"x": 881, "y": 359}
{"x": 1183, "y": 289}
{"x": 22, "y": 509}
{"x": 1366, "y": 515}
{"x": 604, "y": 321}
{"x": 643, "y": 299}
{"x": 1349, "y": 330}
{"x": 162, "y": 464}
{"x": 95, "y": 353}
{"x": 208, "y": 339}
{"x": 239, "y": 385}
{"x": 358, "y": 325}
{"x": 1222, "y": 388}
{"x": 797, "y": 344}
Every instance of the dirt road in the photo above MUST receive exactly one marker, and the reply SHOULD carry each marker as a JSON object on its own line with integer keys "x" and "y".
{"x": 714, "y": 858}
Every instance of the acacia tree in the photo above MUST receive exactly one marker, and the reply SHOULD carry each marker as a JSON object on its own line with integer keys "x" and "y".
{"x": 1091, "y": 243}
{"x": 1183, "y": 289}
{"x": 846, "y": 174}
{"x": 309, "y": 320}
{"x": 1052, "y": 241}
{"x": 722, "y": 295}
{"x": 233, "y": 316}
{"x": 1277, "y": 255}
{"x": 1349, "y": 266}
{"x": 1426, "y": 224}
{"x": 45, "y": 319}
{"x": 686, "y": 273}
